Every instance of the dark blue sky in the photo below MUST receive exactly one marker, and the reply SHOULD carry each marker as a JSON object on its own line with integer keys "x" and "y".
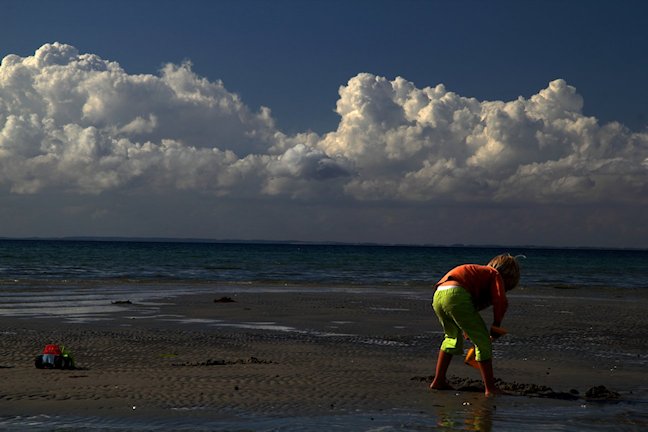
{"x": 293, "y": 55}
{"x": 173, "y": 154}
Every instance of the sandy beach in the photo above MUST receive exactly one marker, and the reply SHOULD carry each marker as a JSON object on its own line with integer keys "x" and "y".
{"x": 286, "y": 355}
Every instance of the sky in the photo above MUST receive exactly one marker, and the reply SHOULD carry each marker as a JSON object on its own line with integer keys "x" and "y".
{"x": 399, "y": 122}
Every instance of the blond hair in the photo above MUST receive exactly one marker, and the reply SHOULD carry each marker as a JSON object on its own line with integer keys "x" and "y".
{"x": 508, "y": 268}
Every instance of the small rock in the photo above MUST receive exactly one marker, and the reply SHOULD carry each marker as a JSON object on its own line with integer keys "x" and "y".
{"x": 601, "y": 392}
{"x": 225, "y": 300}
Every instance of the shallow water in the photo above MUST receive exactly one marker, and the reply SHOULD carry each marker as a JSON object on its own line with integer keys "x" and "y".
{"x": 455, "y": 412}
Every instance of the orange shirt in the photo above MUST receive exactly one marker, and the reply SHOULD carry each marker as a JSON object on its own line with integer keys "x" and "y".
{"x": 485, "y": 286}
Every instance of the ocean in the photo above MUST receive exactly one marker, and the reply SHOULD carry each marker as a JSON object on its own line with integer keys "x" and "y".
{"x": 81, "y": 279}
{"x": 306, "y": 265}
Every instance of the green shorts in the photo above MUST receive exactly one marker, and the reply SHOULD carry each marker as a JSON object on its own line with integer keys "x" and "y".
{"x": 457, "y": 314}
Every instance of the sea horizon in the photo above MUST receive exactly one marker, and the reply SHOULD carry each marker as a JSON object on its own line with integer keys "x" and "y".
{"x": 198, "y": 240}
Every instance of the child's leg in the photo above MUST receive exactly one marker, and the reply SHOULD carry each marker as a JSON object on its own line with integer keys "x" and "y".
{"x": 440, "y": 381}
{"x": 444, "y": 308}
{"x": 475, "y": 328}
{"x": 483, "y": 349}
{"x": 486, "y": 369}
{"x": 452, "y": 342}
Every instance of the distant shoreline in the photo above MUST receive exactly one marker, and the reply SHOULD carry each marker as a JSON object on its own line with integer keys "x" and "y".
{"x": 192, "y": 240}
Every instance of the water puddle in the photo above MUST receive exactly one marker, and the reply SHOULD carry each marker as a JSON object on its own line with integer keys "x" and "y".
{"x": 464, "y": 412}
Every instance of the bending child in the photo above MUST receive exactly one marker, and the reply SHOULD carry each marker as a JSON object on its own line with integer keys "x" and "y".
{"x": 459, "y": 296}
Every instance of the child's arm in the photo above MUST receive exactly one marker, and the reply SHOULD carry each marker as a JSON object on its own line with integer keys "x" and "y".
{"x": 500, "y": 303}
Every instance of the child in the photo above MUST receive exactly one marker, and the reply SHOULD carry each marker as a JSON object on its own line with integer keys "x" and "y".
{"x": 459, "y": 296}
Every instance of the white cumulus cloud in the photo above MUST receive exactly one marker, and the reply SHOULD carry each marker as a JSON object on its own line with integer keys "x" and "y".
{"x": 425, "y": 144}
{"x": 77, "y": 123}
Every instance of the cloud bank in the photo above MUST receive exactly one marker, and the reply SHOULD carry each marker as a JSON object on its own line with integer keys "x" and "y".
{"x": 77, "y": 123}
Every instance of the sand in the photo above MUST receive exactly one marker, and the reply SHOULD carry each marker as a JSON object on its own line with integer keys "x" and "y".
{"x": 289, "y": 354}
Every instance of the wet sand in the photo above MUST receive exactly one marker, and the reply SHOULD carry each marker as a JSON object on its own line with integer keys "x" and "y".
{"x": 299, "y": 355}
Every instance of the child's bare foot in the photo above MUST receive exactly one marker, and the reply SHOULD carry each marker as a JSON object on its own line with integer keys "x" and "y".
{"x": 443, "y": 385}
{"x": 493, "y": 392}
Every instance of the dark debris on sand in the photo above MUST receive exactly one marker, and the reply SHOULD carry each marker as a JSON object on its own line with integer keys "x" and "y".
{"x": 122, "y": 302}
{"x": 599, "y": 393}
{"x": 220, "y": 362}
{"x": 224, "y": 300}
